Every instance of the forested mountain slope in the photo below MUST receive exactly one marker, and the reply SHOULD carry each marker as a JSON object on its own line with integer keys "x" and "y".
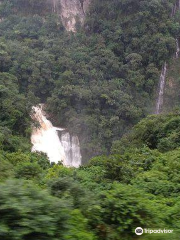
{"x": 96, "y": 67}
{"x": 98, "y": 82}
{"x": 107, "y": 199}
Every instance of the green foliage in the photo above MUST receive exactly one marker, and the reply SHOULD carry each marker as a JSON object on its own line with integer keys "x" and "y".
{"x": 106, "y": 199}
{"x": 123, "y": 208}
{"x": 13, "y": 117}
{"x": 28, "y": 170}
{"x": 58, "y": 171}
{"x": 162, "y": 178}
{"x": 70, "y": 189}
{"x": 6, "y": 169}
{"x": 27, "y": 7}
{"x": 97, "y": 83}
{"x": 33, "y": 212}
{"x": 23, "y": 165}
{"x": 79, "y": 232}
{"x": 157, "y": 132}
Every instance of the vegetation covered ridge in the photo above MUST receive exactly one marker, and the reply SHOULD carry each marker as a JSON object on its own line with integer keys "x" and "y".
{"x": 100, "y": 84}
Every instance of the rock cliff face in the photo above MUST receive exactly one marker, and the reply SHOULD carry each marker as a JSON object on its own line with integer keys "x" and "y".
{"x": 86, "y": 4}
{"x": 71, "y": 11}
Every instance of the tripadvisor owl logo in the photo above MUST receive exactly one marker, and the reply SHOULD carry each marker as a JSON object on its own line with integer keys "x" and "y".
{"x": 138, "y": 231}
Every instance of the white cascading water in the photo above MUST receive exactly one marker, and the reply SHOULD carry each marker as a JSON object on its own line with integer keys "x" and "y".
{"x": 72, "y": 149}
{"x": 76, "y": 153}
{"x": 159, "y": 103}
{"x": 45, "y": 139}
{"x": 177, "y": 48}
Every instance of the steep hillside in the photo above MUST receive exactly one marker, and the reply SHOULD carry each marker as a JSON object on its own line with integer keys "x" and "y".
{"x": 172, "y": 95}
{"x": 100, "y": 81}
{"x": 95, "y": 67}
{"x": 105, "y": 200}
{"x": 69, "y": 11}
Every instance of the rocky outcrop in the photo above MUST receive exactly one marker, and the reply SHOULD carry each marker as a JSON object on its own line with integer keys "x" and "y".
{"x": 86, "y": 4}
{"x": 71, "y": 11}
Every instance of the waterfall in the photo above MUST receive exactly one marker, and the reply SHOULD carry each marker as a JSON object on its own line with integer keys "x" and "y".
{"x": 159, "y": 103}
{"x": 45, "y": 139}
{"x": 177, "y": 48}
{"x": 71, "y": 149}
{"x": 76, "y": 153}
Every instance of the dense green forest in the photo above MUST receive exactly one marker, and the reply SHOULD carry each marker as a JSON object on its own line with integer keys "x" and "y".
{"x": 137, "y": 185}
{"x": 101, "y": 84}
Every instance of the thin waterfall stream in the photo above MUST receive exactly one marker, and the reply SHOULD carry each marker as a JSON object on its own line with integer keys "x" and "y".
{"x": 177, "y": 48}
{"x": 159, "y": 102}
